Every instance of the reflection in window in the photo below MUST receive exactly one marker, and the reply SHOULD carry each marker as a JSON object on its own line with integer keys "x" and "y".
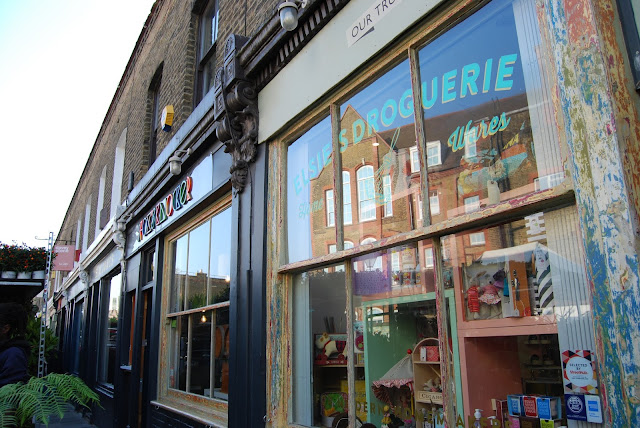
{"x": 488, "y": 100}
{"x": 201, "y": 280}
{"x": 109, "y": 335}
{"x": 309, "y": 175}
{"x": 366, "y": 202}
{"x": 434, "y": 203}
{"x": 346, "y": 197}
{"x": 415, "y": 159}
{"x": 386, "y": 190}
{"x": 471, "y": 204}
{"x": 433, "y": 153}
{"x": 330, "y": 208}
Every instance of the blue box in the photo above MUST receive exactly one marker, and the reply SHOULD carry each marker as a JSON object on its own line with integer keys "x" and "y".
{"x": 514, "y": 404}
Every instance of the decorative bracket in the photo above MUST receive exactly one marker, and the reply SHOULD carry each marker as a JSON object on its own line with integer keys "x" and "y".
{"x": 236, "y": 112}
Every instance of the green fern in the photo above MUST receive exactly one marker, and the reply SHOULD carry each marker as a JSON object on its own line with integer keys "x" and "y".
{"x": 40, "y": 398}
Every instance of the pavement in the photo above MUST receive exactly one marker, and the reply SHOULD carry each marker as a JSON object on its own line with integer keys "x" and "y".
{"x": 71, "y": 419}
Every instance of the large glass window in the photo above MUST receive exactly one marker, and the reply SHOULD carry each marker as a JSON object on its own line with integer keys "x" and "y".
{"x": 198, "y": 312}
{"x": 463, "y": 320}
{"x": 486, "y": 98}
{"x": 378, "y": 144}
{"x": 110, "y": 295}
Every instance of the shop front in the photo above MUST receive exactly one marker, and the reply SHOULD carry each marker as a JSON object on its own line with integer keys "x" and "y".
{"x": 426, "y": 260}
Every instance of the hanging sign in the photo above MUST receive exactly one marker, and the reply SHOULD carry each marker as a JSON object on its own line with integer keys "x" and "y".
{"x": 65, "y": 256}
{"x": 579, "y": 373}
{"x": 173, "y": 202}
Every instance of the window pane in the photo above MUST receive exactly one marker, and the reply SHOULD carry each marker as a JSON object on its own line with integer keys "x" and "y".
{"x": 199, "y": 378}
{"x": 376, "y": 136}
{"x": 319, "y": 334}
{"x": 209, "y": 30}
{"x": 309, "y": 174}
{"x": 111, "y": 290}
{"x": 220, "y": 260}
{"x": 198, "y": 265}
{"x": 221, "y": 354}
{"x": 179, "y": 277}
{"x": 178, "y": 358}
{"x": 488, "y": 106}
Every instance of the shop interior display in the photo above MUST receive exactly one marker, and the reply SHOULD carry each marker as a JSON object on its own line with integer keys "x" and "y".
{"x": 507, "y": 283}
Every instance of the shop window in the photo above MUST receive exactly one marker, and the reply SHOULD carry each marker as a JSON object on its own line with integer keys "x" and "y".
{"x": 630, "y": 20}
{"x": 309, "y": 173}
{"x": 207, "y": 48}
{"x": 378, "y": 139}
{"x": 110, "y": 304}
{"x": 485, "y": 92}
{"x": 510, "y": 292}
{"x": 366, "y": 204}
{"x": 197, "y": 317}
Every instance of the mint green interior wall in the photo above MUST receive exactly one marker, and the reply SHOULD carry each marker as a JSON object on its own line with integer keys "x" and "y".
{"x": 381, "y": 355}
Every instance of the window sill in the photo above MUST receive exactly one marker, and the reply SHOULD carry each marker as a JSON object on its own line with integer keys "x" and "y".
{"x": 206, "y": 416}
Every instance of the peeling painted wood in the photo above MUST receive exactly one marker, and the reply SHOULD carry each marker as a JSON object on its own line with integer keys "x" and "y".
{"x": 606, "y": 215}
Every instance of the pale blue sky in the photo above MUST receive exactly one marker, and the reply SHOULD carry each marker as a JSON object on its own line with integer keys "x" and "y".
{"x": 60, "y": 63}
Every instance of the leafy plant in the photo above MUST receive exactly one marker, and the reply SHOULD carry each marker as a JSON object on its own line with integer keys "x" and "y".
{"x": 33, "y": 336}
{"x": 41, "y": 398}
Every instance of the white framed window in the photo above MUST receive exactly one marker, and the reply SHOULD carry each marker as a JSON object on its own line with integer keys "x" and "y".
{"x": 331, "y": 218}
{"x": 386, "y": 193}
{"x": 476, "y": 238}
{"x": 346, "y": 202}
{"x": 419, "y": 207}
{"x": 434, "y": 203}
{"x": 414, "y": 158}
{"x": 433, "y": 153}
{"x": 366, "y": 202}
{"x": 428, "y": 258}
{"x": 471, "y": 204}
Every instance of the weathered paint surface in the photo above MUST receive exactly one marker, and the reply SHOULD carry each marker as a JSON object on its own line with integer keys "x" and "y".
{"x": 606, "y": 215}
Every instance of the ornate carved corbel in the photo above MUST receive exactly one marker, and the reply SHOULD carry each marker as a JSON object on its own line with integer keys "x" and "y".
{"x": 236, "y": 113}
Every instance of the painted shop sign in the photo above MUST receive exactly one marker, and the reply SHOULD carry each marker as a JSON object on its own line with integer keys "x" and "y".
{"x": 173, "y": 202}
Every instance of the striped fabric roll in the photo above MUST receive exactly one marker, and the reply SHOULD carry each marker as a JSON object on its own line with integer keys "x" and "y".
{"x": 544, "y": 292}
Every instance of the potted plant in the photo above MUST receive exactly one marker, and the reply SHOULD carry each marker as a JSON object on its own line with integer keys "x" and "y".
{"x": 9, "y": 258}
{"x": 35, "y": 261}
